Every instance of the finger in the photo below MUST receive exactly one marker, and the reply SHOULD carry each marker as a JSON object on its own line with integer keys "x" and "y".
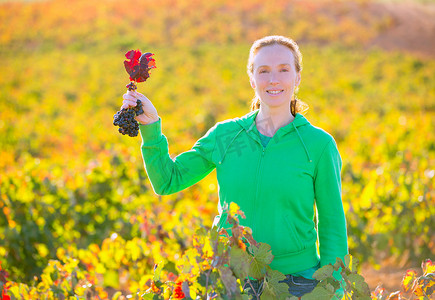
{"x": 138, "y": 95}
{"x": 130, "y": 102}
{"x": 127, "y": 105}
{"x": 129, "y": 97}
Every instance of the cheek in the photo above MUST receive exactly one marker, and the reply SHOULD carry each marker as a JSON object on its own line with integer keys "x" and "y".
{"x": 260, "y": 82}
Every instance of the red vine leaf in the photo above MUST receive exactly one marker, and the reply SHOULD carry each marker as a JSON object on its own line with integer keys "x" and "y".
{"x": 139, "y": 65}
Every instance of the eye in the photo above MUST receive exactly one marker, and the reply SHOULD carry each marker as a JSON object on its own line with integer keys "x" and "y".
{"x": 285, "y": 70}
{"x": 262, "y": 71}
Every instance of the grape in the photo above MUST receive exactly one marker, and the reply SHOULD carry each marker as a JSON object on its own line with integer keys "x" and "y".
{"x": 125, "y": 119}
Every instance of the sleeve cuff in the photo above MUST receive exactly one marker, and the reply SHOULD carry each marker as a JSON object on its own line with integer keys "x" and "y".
{"x": 151, "y": 133}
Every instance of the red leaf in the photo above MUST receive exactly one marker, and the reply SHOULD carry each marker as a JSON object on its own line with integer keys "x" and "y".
{"x": 133, "y": 54}
{"x": 4, "y": 296}
{"x": 139, "y": 65}
{"x": 137, "y": 54}
{"x": 178, "y": 291}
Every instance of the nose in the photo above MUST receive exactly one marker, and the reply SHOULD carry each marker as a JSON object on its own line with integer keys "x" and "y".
{"x": 273, "y": 79}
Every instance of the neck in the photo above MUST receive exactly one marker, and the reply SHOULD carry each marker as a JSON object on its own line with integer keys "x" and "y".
{"x": 269, "y": 120}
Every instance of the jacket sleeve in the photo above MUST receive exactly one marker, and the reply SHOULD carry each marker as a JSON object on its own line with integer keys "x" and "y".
{"x": 169, "y": 175}
{"x": 330, "y": 214}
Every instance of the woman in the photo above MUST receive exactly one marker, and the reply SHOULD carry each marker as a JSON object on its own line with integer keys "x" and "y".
{"x": 272, "y": 162}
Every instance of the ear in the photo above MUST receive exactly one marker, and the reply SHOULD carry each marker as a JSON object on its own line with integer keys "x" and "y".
{"x": 252, "y": 82}
{"x": 298, "y": 79}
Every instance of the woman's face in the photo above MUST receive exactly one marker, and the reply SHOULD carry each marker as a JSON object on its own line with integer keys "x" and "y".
{"x": 274, "y": 76}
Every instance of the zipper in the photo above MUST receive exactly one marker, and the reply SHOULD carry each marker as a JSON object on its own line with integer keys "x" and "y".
{"x": 259, "y": 171}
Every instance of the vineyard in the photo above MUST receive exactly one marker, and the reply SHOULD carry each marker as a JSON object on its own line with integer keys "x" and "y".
{"x": 78, "y": 216}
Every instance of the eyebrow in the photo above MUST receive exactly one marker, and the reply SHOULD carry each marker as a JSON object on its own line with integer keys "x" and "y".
{"x": 268, "y": 66}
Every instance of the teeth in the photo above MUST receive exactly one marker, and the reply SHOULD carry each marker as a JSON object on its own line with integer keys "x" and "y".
{"x": 274, "y": 92}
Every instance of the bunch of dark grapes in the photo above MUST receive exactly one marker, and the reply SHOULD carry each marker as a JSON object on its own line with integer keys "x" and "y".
{"x": 125, "y": 119}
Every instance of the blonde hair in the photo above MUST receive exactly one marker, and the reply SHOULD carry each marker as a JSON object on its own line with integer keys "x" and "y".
{"x": 296, "y": 105}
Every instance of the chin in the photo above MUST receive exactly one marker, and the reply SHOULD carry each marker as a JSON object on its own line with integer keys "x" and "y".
{"x": 275, "y": 103}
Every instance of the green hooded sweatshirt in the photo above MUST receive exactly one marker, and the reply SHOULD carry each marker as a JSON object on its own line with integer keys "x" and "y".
{"x": 275, "y": 186}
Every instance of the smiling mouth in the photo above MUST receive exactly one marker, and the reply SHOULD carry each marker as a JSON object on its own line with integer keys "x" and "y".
{"x": 275, "y": 92}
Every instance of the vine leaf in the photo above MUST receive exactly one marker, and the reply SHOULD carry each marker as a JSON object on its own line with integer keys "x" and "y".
{"x": 408, "y": 280}
{"x": 319, "y": 293}
{"x": 324, "y": 272}
{"x": 262, "y": 258}
{"x": 425, "y": 286}
{"x": 338, "y": 264}
{"x": 229, "y": 281}
{"x": 351, "y": 263}
{"x": 428, "y": 267}
{"x": 274, "y": 288}
{"x": 361, "y": 287}
{"x": 157, "y": 271}
{"x": 239, "y": 262}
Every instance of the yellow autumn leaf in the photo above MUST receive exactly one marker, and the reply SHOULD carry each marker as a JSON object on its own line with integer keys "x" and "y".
{"x": 428, "y": 267}
{"x": 234, "y": 208}
{"x": 408, "y": 280}
{"x": 207, "y": 249}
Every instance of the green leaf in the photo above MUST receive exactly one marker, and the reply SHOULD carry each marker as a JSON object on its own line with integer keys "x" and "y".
{"x": 239, "y": 262}
{"x": 214, "y": 234}
{"x": 157, "y": 271}
{"x": 267, "y": 294}
{"x": 257, "y": 269}
{"x": 330, "y": 281}
{"x": 147, "y": 296}
{"x": 273, "y": 288}
{"x": 319, "y": 293}
{"x": 263, "y": 253}
{"x": 262, "y": 257}
{"x": 324, "y": 272}
{"x": 362, "y": 288}
{"x": 351, "y": 263}
{"x": 330, "y": 288}
{"x": 338, "y": 264}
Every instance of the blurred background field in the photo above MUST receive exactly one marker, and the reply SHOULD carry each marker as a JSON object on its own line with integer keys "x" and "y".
{"x": 71, "y": 186}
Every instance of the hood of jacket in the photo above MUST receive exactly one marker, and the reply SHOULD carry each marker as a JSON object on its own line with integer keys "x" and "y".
{"x": 247, "y": 123}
